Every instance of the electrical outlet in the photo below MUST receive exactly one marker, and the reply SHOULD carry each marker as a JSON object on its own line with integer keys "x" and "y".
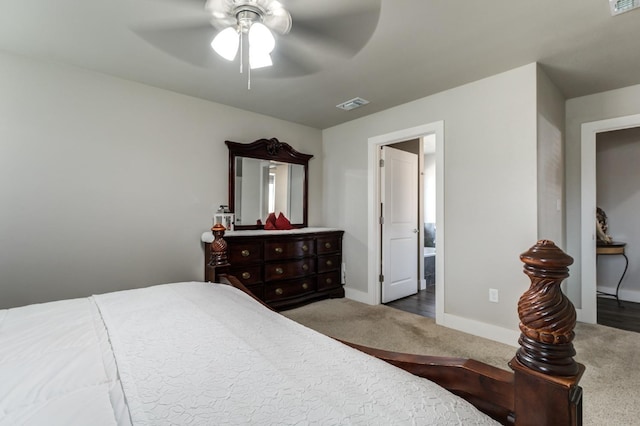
{"x": 493, "y": 295}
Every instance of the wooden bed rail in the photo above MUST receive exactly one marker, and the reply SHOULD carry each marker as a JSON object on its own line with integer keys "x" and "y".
{"x": 489, "y": 388}
{"x": 541, "y": 389}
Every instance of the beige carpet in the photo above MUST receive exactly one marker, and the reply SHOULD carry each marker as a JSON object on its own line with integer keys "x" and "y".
{"x": 611, "y": 382}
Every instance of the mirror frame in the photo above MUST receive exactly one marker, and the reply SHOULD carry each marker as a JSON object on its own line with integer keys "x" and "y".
{"x": 268, "y": 149}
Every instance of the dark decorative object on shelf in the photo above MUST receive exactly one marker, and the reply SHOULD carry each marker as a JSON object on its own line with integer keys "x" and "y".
{"x": 602, "y": 227}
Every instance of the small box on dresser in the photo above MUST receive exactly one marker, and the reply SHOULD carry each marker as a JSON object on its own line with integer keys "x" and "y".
{"x": 285, "y": 269}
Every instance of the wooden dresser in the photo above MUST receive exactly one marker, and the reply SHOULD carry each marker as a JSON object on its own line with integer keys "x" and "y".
{"x": 285, "y": 269}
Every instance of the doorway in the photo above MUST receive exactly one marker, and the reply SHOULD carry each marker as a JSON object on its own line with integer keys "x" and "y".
{"x": 617, "y": 251}
{"x": 588, "y": 291}
{"x": 437, "y": 130}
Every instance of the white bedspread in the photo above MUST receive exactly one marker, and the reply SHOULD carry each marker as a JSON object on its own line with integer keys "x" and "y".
{"x": 57, "y": 368}
{"x": 203, "y": 354}
{"x": 197, "y": 354}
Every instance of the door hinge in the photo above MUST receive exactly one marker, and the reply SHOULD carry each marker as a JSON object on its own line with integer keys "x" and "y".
{"x": 381, "y": 220}
{"x": 381, "y": 162}
{"x": 381, "y": 278}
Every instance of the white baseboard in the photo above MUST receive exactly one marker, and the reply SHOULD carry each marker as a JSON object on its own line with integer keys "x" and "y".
{"x": 481, "y": 329}
{"x": 625, "y": 295}
{"x": 358, "y": 296}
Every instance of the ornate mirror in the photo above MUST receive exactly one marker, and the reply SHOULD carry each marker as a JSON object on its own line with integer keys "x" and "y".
{"x": 267, "y": 176}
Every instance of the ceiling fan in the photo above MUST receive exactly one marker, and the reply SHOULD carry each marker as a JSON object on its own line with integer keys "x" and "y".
{"x": 286, "y": 38}
{"x": 254, "y": 19}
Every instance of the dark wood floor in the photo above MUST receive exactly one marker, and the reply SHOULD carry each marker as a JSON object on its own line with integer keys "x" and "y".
{"x": 609, "y": 314}
{"x": 422, "y": 303}
{"x": 626, "y": 317}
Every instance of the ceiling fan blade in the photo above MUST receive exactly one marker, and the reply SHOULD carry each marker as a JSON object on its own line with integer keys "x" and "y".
{"x": 220, "y": 13}
{"x": 278, "y": 20}
{"x": 188, "y": 41}
{"x": 190, "y": 4}
{"x": 320, "y": 38}
{"x": 340, "y": 35}
{"x": 290, "y": 61}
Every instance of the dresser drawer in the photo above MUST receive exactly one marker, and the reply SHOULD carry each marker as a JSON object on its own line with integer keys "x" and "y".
{"x": 329, "y": 244}
{"x": 257, "y": 290}
{"x": 329, "y": 263}
{"x": 275, "y": 250}
{"x": 291, "y": 288}
{"x": 241, "y": 253}
{"x": 329, "y": 280}
{"x": 292, "y": 269}
{"x": 248, "y": 275}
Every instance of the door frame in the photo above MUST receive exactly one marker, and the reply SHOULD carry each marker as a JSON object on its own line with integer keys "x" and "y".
{"x": 374, "y": 237}
{"x": 588, "y": 311}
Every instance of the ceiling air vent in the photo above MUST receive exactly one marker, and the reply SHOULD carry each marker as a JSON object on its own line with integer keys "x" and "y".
{"x": 352, "y": 104}
{"x": 622, "y": 6}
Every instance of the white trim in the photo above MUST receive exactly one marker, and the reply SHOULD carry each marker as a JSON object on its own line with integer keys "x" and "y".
{"x": 588, "y": 311}
{"x": 357, "y": 295}
{"x": 481, "y": 329}
{"x": 624, "y": 295}
{"x": 373, "y": 178}
{"x": 423, "y": 282}
{"x": 440, "y": 240}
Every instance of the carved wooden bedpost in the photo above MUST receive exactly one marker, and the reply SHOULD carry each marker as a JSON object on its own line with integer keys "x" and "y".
{"x": 218, "y": 258}
{"x": 547, "y": 320}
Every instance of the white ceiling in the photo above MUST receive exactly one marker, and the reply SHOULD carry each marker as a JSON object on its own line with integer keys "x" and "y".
{"x": 419, "y": 47}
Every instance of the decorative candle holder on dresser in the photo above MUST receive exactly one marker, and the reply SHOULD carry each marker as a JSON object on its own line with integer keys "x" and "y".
{"x": 285, "y": 269}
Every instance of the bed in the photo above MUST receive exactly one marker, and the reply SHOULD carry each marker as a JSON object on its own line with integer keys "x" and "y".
{"x": 182, "y": 354}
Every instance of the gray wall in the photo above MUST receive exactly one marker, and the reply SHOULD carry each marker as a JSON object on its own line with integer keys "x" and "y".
{"x": 490, "y": 203}
{"x": 107, "y": 184}
{"x": 550, "y": 161}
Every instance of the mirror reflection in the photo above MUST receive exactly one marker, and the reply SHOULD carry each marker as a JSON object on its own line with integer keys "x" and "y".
{"x": 265, "y": 186}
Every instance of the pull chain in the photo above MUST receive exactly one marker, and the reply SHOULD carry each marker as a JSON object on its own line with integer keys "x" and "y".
{"x": 242, "y": 61}
{"x": 241, "y": 50}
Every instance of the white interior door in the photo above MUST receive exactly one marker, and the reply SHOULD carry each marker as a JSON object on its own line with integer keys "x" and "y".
{"x": 399, "y": 195}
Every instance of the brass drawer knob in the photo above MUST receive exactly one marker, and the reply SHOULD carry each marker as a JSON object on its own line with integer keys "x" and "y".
{"x": 328, "y": 281}
{"x": 279, "y": 291}
{"x": 305, "y": 267}
{"x": 279, "y": 271}
{"x": 245, "y": 253}
{"x": 305, "y": 286}
{"x": 246, "y": 275}
{"x": 329, "y": 263}
{"x": 278, "y": 250}
{"x": 327, "y": 245}
{"x": 305, "y": 248}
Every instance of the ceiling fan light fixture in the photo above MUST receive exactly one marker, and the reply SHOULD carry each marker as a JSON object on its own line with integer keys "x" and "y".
{"x": 260, "y": 39}
{"x": 259, "y": 60}
{"x": 248, "y": 25}
{"x": 261, "y": 44}
{"x": 226, "y": 43}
